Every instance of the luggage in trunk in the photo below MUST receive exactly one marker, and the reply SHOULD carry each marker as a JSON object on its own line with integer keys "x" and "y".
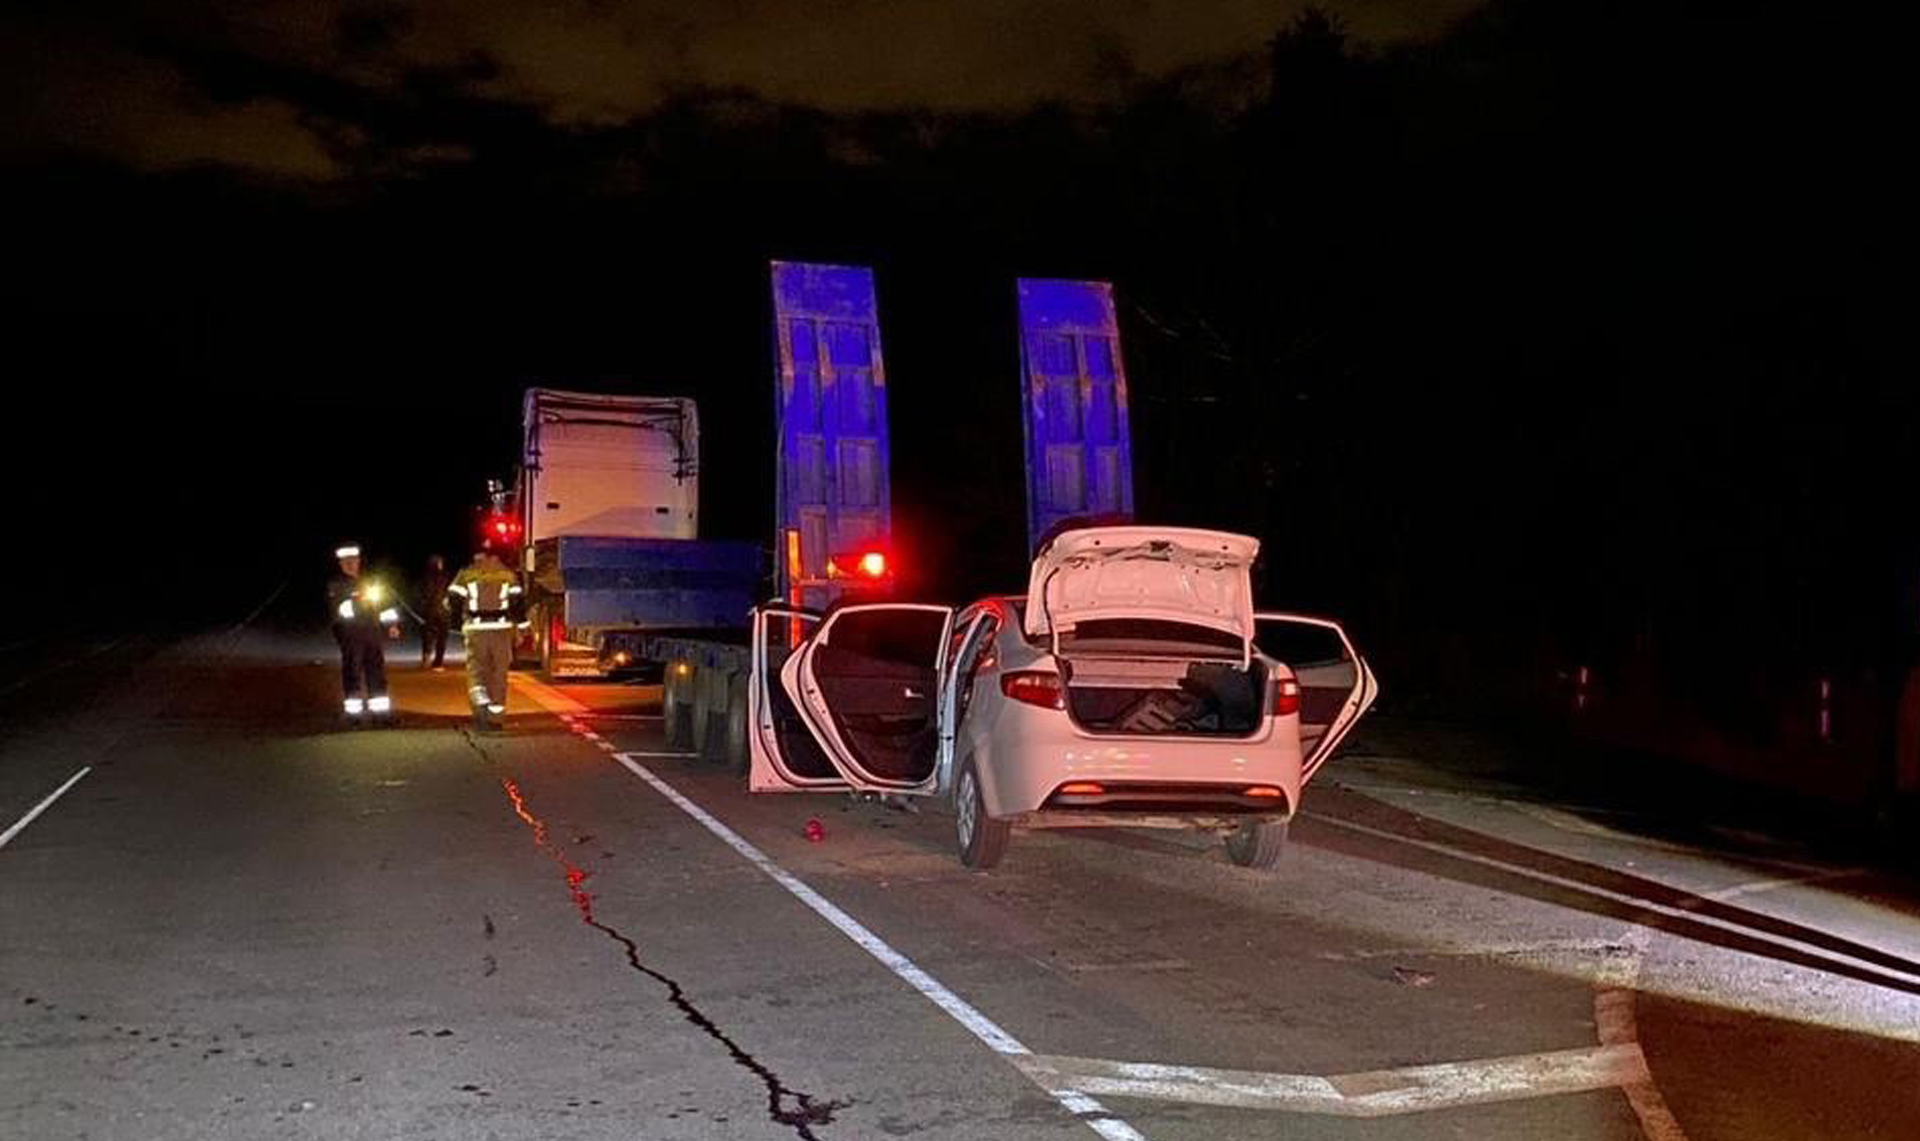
{"x": 1166, "y": 698}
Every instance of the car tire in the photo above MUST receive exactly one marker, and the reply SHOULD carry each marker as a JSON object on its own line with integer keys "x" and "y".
{"x": 981, "y": 839}
{"x": 1257, "y": 843}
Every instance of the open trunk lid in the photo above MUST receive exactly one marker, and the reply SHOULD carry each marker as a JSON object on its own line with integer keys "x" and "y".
{"x": 1160, "y": 574}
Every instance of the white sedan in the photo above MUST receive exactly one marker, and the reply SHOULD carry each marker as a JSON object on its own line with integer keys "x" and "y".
{"x": 1133, "y": 685}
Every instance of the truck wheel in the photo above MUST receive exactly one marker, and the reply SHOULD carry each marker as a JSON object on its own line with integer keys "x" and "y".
{"x": 707, "y": 710}
{"x": 1257, "y": 843}
{"x": 736, "y": 758}
{"x": 674, "y": 712}
{"x": 982, "y": 840}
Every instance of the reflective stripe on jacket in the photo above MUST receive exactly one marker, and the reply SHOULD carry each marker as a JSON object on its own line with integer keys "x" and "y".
{"x": 489, "y": 596}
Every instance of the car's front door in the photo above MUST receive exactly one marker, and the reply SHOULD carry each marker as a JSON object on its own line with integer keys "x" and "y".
{"x": 868, "y": 683}
{"x": 1336, "y": 685}
{"x": 784, "y": 754}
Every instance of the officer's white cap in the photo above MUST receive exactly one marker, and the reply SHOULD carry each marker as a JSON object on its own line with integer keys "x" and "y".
{"x": 349, "y": 551}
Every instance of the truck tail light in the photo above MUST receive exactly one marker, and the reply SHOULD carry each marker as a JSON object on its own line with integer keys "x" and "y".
{"x": 1035, "y": 687}
{"x": 501, "y": 530}
{"x": 868, "y": 564}
{"x": 1285, "y": 697}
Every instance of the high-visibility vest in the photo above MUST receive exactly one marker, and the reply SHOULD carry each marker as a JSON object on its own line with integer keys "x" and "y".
{"x": 489, "y": 596}
{"x": 360, "y": 602}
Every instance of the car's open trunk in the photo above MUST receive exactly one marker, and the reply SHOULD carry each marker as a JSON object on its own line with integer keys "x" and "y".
{"x": 1165, "y": 696}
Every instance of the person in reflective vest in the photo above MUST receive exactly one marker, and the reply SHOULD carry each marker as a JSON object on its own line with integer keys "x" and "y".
{"x": 488, "y": 598}
{"x": 359, "y": 610}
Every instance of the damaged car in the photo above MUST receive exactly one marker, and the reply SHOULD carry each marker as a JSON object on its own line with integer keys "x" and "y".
{"x": 1133, "y": 685}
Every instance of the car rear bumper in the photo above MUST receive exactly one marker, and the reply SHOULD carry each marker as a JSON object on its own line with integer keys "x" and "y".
{"x": 1159, "y": 797}
{"x": 1200, "y": 821}
{"x": 1030, "y": 759}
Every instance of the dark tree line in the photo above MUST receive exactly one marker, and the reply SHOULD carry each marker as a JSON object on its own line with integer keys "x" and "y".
{"x": 1560, "y": 338}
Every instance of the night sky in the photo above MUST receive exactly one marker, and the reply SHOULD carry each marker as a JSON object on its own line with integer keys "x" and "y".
{"x": 1519, "y": 331}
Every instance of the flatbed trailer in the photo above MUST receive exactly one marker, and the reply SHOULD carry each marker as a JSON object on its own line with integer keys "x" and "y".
{"x": 656, "y": 596}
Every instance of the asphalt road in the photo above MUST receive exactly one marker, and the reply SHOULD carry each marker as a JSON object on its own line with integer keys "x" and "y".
{"x": 239, "y": 920}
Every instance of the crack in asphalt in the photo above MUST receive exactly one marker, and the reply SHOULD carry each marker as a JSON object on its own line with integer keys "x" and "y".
{"x": 795, "y": 1109}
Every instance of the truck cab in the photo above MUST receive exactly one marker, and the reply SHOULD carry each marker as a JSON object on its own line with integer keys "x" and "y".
{"x": 608, "y": 498}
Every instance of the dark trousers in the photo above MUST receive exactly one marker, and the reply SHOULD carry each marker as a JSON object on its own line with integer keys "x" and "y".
{"x": 433, "y": 641}
{"x": 363, "y": 662}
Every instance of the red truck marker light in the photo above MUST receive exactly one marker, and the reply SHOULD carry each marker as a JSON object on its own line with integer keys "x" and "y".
{"x": 862, "y": 564}
{"x": 501, "y": 528}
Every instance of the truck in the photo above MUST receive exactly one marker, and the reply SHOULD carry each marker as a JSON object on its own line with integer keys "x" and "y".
{"x": 607, "y": 494}
{"x": 833, "y": 503}
{"x": 607, "y": 500}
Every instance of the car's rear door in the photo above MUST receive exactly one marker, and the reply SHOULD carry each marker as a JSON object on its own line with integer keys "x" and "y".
{"x": 868, "y": 685}
{"x": 1336, "y": 685}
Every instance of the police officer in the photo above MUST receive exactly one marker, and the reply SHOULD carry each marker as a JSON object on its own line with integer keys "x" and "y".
{"x": 359, "y": 609}
{"x": 487, "y": 596}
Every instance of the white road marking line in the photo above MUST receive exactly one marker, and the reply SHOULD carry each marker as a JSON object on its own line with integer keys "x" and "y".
{"x": 1073, "y": 1100}
{"x": 661, "y": 756}
{"x": 1617, "y": 976}
{"x": 1613, "y": 1015}
{"x": 1534, "y": 949}
{"x": 599, "y": 742}
{"x": 1758, "y": 886}
{"x": 1569, "y": 818}
{"x": 1564, "y": 818}
{"x": 21, "y": 824}
{"x": 1613, "y": 1018}
{"x": 1377, "y": 1093}
{"x": 1686, "y": 910}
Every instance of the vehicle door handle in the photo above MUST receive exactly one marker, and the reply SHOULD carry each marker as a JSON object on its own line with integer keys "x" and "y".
{"x": 910, "y": 692}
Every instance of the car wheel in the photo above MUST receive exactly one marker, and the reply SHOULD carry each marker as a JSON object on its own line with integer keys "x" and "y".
{"x": 982, "y": 839}
{"x": 1257, "y": 843}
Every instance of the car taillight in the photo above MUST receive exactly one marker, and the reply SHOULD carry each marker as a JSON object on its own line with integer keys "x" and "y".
{"x": 1035, "y": 687}
{"x": 1285, "y": 697}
